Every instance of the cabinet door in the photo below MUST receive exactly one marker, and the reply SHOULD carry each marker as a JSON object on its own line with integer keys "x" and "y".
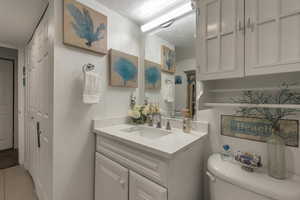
{"x": 111, "y": 180}
{"x": 221, "y": 39}
{"x": 144, "y": 189}
{"x": 272, "y": 36}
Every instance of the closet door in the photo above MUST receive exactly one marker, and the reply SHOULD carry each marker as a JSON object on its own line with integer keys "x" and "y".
{"x": 272, "y": 36}
{"x": 221, "y": 39}
{"x": 111, "y": 180}
{"x": 144, "y": 189}
{"x": 38, "y": 116}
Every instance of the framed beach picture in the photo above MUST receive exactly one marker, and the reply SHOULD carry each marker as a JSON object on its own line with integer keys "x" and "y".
{"x": 123, "y": 69}
{"x": 84, "y": 27}
{"x": 168, "y": 58}
{"x": 258, "y": 129}
{"x": 152, "y": 75}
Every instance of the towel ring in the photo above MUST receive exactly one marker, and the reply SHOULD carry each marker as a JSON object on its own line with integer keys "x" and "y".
{"x": 88, "y": 67}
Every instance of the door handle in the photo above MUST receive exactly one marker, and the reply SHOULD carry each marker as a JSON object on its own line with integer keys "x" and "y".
{"x": 38, "y": 132}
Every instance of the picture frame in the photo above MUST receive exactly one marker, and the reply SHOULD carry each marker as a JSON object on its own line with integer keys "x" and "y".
{"x": 168, "y": 60}
{"x": 152, "y": 75}
{"x": 258, "y": 129}
{"x": 123, "y": 69}
{"x": 84, "y": 27}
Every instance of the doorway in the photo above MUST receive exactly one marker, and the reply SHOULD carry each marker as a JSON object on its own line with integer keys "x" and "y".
{"x": 8, "y": 154}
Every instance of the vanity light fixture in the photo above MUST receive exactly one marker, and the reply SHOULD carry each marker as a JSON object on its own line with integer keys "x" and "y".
{"x": 168, "y": 17}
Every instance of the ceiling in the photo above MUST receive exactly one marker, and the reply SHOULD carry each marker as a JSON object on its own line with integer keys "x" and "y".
{"x": 181, "y": 33}
{"x": 141, "y": 11}
{"x": 18, "y": 19}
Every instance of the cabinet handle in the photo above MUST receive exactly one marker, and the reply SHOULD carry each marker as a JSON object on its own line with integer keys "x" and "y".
{"x": 211, "y": 177}
{"x": 240, "y": 26}
{"x": 250, "y": 24}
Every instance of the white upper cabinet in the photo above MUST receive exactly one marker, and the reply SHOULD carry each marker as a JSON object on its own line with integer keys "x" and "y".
{"x": 270, "y": 30}
{"x": 272, "y": 36}
{"x": 221, "y": 39}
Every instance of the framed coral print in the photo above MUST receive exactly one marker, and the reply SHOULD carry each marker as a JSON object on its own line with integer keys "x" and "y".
{"x": 123, "y": 70}
{"x": 152, "y": 75}
{"x": 84, "y": 27}
{"x": 168, "y": 58}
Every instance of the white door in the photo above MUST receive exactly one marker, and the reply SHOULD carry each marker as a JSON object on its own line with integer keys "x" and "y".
{"x": 38, "y": 116}
{"x": 144, "y": 189}
{"x": 6, "y": 104}
{"x": 272, "y": 36}
{"x": 221, "y": 37}
{"x": 111, "y": 180}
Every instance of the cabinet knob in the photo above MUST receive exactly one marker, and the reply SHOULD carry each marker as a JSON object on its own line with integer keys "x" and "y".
{"x": 122, "y": 183}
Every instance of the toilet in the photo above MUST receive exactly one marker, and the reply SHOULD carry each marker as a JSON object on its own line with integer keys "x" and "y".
{"x": 228, "y": 181}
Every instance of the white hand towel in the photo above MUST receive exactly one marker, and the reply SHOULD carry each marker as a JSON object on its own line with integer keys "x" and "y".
{"x": 92, "y": 92}
{"x": 169, "y": 92}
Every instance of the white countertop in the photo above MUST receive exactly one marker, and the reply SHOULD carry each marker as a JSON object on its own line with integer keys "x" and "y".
{"x": 166, "y": 146}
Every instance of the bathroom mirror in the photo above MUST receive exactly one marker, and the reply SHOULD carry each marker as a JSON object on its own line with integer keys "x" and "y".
{"x": 170, "y": 67}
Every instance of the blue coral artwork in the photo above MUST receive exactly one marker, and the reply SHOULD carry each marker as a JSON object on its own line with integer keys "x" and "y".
{"x": 168, "y": 60}
{"x": 152, "y": 75}
{"x": 178, "y": 80}
{"x": 123, "y": 69}
{"x": 84, "y": 27}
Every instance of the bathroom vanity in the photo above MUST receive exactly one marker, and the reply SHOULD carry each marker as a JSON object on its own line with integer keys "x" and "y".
{"x": 145, "y": 163}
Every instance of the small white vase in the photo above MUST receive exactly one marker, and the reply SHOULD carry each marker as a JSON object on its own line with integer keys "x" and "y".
{"x": 276, "y": 156}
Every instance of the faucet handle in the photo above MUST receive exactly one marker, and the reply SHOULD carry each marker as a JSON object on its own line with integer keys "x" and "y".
{"x": 158, "y": 125}
{"x": 168, "y": 126}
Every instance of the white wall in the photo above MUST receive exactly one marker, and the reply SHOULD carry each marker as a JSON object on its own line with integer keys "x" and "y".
{"x": 153, "y": 45}
{"x": 74, "y": 144}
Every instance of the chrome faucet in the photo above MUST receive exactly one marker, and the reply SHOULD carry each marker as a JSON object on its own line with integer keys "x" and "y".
{"x": 158, "y": 124}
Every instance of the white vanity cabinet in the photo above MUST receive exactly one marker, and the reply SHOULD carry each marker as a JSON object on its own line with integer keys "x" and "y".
{"x": 111, "y": 179}
{"x": 144, "y": 189}
{"x": 131, "y": 172}
{"x": 248, "y": 37}
{"x": 112, "y": 183}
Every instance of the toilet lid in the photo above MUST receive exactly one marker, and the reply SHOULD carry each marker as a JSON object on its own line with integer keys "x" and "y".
{"x": 258, "y": 181}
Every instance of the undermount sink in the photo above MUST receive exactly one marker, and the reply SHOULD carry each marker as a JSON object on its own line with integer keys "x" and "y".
{"x": 147, "y": 132}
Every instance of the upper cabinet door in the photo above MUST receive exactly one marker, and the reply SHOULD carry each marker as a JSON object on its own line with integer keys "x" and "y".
{"x": 111, "y": 180}
{"x": 144, "y": 189}
{"x": 221, "y": 37}
{"x": 272, "y": 36}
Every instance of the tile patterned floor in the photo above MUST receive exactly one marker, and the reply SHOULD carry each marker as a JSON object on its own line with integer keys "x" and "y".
{"x": 16, "y": 184}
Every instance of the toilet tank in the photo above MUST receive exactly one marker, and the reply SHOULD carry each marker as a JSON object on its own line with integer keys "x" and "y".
{"x": 228, "y": 182}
